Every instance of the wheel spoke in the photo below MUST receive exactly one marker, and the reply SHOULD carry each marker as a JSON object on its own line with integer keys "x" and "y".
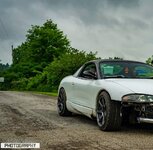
{"x": 100, "y": 103}
{"x": 60, "y": 96}
{"x": 59, "y": 99}
{"x": 60, "y": 102}
{"x": 101, "y": 111}
{"x": 60, "y": 106}
{"x": 103, "y": 104}
{"x": 101, "y": 116}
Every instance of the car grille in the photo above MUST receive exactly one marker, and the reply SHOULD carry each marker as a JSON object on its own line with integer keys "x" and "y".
{"x": 149, "y": 111}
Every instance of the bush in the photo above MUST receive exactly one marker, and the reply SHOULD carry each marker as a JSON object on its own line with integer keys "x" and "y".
{"x": 67, "y": 64}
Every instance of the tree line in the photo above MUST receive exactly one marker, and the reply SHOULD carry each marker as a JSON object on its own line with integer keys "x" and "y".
{"x": 3, "y": 67}
{"x": 43, "y": 60}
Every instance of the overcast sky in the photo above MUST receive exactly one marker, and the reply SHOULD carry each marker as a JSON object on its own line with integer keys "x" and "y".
{"x": 122, "y": 28}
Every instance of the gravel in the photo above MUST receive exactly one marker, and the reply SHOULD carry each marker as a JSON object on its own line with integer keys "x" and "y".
{"x": 27, "y": 117}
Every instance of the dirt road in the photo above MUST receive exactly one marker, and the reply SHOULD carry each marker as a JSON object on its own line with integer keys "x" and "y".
{"x": 26, "y": 117}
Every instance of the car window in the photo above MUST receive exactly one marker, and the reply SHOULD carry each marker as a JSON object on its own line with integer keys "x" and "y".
{"x": 90, "y": 68}
{"x": 142, "y": 71}
{"x": 125, "y": 70}
{"x": 112, "y": 69}
{"x": 77, "y": 72}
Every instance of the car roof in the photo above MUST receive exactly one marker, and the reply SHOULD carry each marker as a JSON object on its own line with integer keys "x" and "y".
{"x": 115, "y": 60}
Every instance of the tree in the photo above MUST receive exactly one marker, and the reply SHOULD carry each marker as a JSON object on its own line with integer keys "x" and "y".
{"x": 116, "y": 58}
{"x": 42, "y": 44}
{"x": 43, "y": 60}
{"x": 150, "y": 60}
{"x": 3, "y": 67}
{"x": 67, "y": 64}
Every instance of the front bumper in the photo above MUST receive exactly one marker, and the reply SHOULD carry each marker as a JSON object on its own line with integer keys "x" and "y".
{"x": 143, "y": 111}
{"x": 144, "y": 120}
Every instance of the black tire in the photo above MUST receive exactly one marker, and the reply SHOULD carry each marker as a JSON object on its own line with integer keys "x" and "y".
{"x": 108, "y": 113}
{"x": 61, "y": 104}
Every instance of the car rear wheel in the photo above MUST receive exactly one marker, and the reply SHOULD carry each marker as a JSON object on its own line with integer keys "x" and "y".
{"x": 108, "y": 113}
{"x": 61, "y": 103}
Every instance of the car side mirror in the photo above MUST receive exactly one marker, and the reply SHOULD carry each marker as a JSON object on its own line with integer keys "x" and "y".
{"x": 89, "y": 74}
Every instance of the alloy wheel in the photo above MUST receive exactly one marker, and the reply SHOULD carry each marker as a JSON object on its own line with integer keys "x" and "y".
{"x": 101, "y": 111}
{"x": 61, "y": 101}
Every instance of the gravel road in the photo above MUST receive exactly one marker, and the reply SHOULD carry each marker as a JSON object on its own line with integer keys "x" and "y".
{"x": 26, "y": 117}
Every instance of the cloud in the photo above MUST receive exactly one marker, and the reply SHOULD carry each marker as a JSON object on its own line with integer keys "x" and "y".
{"x": 123, "y": 3}
{"x": 111, "y": 27}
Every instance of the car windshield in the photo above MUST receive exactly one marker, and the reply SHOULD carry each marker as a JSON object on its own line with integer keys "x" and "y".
{"x": 127, "y": 69}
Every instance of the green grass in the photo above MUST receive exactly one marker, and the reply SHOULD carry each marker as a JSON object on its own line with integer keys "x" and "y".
{"x": 55, "y": 94}
{"x": 46, "y": 93}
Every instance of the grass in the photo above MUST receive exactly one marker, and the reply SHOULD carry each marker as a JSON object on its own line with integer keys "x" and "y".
{"x": 47, "y": 93}
{"x": 55, "y": 94}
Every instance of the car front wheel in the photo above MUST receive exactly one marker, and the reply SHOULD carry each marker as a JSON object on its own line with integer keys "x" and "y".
{"x": 108, "y": 113}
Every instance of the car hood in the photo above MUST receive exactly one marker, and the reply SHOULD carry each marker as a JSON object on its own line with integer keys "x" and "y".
{"x": 143, "y": 86}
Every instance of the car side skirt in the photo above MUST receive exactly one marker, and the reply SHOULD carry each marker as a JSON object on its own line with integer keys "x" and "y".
{"x": 79, "y": 109}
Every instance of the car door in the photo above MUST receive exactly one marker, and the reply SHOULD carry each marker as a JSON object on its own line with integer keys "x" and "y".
{"x": 84, "y": 91}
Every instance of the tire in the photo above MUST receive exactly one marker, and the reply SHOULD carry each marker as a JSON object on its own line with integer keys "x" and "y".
{"x": 61, "y": 104}
{"x": 108, "y": 113}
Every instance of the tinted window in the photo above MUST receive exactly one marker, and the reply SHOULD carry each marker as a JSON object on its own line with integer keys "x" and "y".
{"x": 91, "y": 68}
{"x": 125, "y": 70}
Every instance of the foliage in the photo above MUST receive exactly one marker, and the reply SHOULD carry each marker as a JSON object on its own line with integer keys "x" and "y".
{"x": 118, "y": 58}
{"x": 9, "y": 77}
{"x": 3, "y": 67}
{"x": 42, "y": 44}
{"x": 39, "y": 83}
{"x": 67, "y": 64}
{"x": 43, "y": 60}
{"x": 150, "y": 60}
{"x": 46, "y": 93}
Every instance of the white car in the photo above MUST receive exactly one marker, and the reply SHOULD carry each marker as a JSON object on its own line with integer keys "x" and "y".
{"x": 111, "y": 91}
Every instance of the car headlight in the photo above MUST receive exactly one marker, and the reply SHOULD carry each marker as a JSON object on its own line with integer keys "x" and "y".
{"x": 141, "y": 98}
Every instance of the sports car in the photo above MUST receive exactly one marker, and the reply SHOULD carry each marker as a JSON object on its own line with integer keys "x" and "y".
{"x": 111, "y": 91}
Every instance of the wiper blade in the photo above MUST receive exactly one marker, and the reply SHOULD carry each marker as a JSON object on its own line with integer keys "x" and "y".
{"x": 116, "y": 76}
